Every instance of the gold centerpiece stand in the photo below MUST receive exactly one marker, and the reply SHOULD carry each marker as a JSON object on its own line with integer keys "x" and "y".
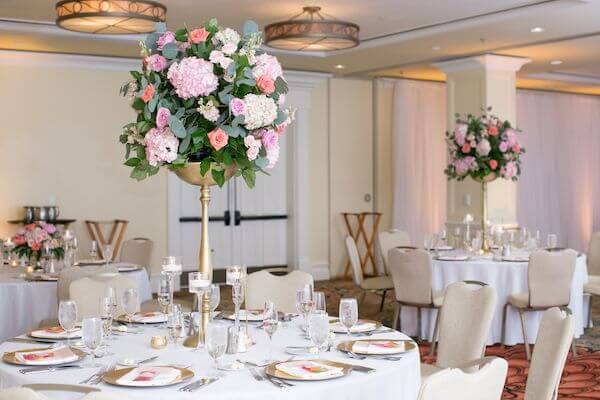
{"x": 190, "y": 173}
{"x": 485, "y": 245}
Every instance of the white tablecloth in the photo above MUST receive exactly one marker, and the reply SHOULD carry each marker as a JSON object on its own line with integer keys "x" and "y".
{"x": 393, "y": 380}
{"x": 24, "y": 304}
{"x": 506, "y": 278}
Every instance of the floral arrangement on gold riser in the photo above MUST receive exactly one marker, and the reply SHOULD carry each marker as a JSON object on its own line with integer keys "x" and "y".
{"x": 35, "y": 237}
{"x": 483, "y": 148}
{"x": 208, "y": 95}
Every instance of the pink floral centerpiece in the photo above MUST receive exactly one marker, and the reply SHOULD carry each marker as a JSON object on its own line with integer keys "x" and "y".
{"x": 31, "y": 239}
{"x": 483, "y": 148}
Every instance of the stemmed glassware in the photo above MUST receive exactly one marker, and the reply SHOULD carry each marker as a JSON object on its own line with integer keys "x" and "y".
{"x": 107, "y": 252}
{"x": 172, "y": 267}
{"x": 215, "y": 298}
{"x": 175, "y": 324}
{"x": 318, "y": 328}
{"x": 305, "y": 302}
{"x": 164, "y": 293}
{"x": 106, "y": 315}
{"x": 92, "y": 333}
{"x": 94, "y": 250}
{"x": 130, "y": 302}
{"x": 236, "y": 277}
{"x": 270, "y": 324}
{"x": 67, "y": 317}
{"x": 320, "y": 302}
{"x": 552, "y": 241}
{"x": 348, "y": 313}
{"x": 216, "y": 342}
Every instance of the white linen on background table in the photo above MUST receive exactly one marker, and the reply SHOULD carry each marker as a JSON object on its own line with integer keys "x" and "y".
{"x": 393, "y": 380}
{"x": 507, "y": 278}
{"x": 24, "y": 304}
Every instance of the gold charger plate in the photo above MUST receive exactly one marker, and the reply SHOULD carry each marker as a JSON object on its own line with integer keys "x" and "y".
{"x": 123, "y": 318}
{"x": 113, "y": 376}
{"x": 272, "y": 370}
{"x": 231, "y": 315}
{"x": 347, "y": 346}
{"x": 60, "y": 339}
{"x": 377, "y": 326}
{"x": 41, "y": 278}
{"x": 10, "y": 357}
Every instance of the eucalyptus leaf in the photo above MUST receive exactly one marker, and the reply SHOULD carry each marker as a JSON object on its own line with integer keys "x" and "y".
{"x": 262, "y": 162}
{"x": 152, "y": 104}
{"x": 147, "y": 114}
{"x": 177, "y": 127}
{"x": 218, "y": 176}
{"x": 228, "y": 129}
{"x": 250, "y": 27}
{"x": 231, "y": 69}
{"x": 238, "y": 131}
{"x": 239, "y": 120}
{"x": 180, "y": 112}
{"x": 160, "y": 27}
{"x": 222, "y": 118}
{"x": 170, "y": 51}
{"x": 248, "y": 73}
{"x": 246, "y": 81}
{"x": 281, "y": 117}
{"x": 281, "y": 85}
{"x": 151, "y": 41}
{"x": 225, "y": 98}
{"x": 185, "y": 143}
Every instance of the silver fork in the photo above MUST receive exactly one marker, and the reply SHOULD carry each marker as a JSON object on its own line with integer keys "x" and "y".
{"x": 276, "y": 381}
{"x": 255, "y": 374}
{"x": 100, "y": 376}
{"x": 95, "y": 374}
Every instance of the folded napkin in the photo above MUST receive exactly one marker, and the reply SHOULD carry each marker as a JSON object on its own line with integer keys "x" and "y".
{"x": 453, "y": 257}
{"x": 516, "y": 258}
{"x": 55, "y": 332}
{"x": 253, "y": 315}
{"x": 360, "y": 326}
{"x": 378, "y": 347}
{"x": 149, "y": 376}
{"x": 124, "y": 267}
{"x": 151, "y": 317}
{"x": 309, "y": 369}
{"x": 58, "y": 355}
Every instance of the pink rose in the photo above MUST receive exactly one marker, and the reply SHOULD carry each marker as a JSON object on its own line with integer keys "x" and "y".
{"x": 167, "y": 37}
{"x": 237, "y": 106}
{"x": 148, "y": 93}
{"x": 466, "y": 148}
{"x": 156, "y": 62}
{"x": 265, "y": 84}
{"x": 460, "y": 133}
{"x": 19, "y": 240}
{"x": 218, "y": 138}
{"x": 162, "y": 117}
{"x": 280, "y": 129}
{"x": 250, "y": 141}
{"x": 270, "y": 139}
{"x": 493, "y": 130}
{"x": 252, "y": 153}
{"x": 29, "y": 227}
{"x": 198, "y": 35}
{"x": 516, "y": 148}
{"x": 36, "y": 246}
{"x": 493, "y": 164}
{"x": 49, "y": 228}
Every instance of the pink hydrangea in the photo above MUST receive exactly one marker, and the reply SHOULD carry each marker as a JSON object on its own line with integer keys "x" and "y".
{"x": 162, "y": 117}
{"x": 460, "y": 133}
{"x": 464, "y": 165}
{"x": 503, "y": 146}
{"x": 161, "y": 146}
{"x": 253, "y": 146}
{"x": 273, "y": 156}
{"x": 51, "y": 229}
{"x": 270, "y": 139}
{"x": 237, "y": 106}
{"x": 483, "y": 147}
{"x": 167, "y": 37}
{"x": 156, "y": 62}
{"x": 267, "y": 65}
{"x": 193, "y": 77}
{"x": 511, "y": 137}
{"x": 510, "y": 170}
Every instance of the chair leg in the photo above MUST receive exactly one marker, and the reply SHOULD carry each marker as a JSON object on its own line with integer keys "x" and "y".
{"x": 398, "y": 319}
{"x": 589, "y": 316}
{"x": 382, "y": 300}
{"x": 525, "y": 341}
{"x": 435, "y": 332}
{"x": 503, "y": 327}
{"x": 419, "y": 332}
{"x": 574, "y": 349}
{"x": 362, "y": 296}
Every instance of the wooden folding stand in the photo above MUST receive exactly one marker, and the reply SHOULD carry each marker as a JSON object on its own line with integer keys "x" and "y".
{"x": 115, "y": 237}
{"x": 360, "y": 231}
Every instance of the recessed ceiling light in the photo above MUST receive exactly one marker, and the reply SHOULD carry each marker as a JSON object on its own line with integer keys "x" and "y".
{"x": 556, "y": 62}
{"x": 436, "y": 48}
{"x": 339, "y": 66}
{"x": 537, "y": 29}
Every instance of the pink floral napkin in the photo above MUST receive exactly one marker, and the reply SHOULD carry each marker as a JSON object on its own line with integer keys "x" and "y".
{"x": 58, "y": 355}
{"x": 149, "y": 376}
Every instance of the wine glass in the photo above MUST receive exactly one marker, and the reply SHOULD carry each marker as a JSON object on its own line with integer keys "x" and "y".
{"x": 164, "y": 293}
{"x": 67, "y": 316}
{"x": 305, "y": 302}
{"x": 94, "y": 250}
{"x": 92, "y": 332}
{"x": 216, "y": 342}
{"x": 130, "y": 302}
{"x": 110, "y": 293}
{"x": 175, "y": 324}
{"x": 215, "y": 297}
{"x": 348, "y": 313}
{"x": 106, "y": 315}
{"x": 270, "y": 323}
{"x": 107, "y": 252}
{"x": 552, "y": 241}
{"x": 320, "y": 302}
{"x": 318, "y": 328}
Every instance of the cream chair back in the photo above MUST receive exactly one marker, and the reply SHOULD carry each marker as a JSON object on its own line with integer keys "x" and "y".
{"x": 138, "y": 251}
{"x": 593, "y": 255}
{"x": 486, "y": 383}
{"x": 549, "y": 354}
{"x": 354, "y": 260}
{"x": 464, "y": 325}
{"x": 87, "y": 292}
{"x": 411, "y": 273}
{"x": 550, "y": 275}
{"x": 70, "y": 274}
{"x": 388, "y": 240}
{"x": 264, "y": 286}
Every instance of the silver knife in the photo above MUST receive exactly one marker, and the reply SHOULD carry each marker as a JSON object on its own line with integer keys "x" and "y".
{"x": 358, "y": 368}
{"x": 50, "y": 368}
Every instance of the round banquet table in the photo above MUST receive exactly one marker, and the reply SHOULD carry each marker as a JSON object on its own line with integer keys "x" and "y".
{"x": 393, "y": 380}
{"x": 24, "y": 304}
{"x": 507, "y": 278}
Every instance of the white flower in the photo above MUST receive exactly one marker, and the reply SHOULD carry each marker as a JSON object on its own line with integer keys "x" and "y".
{"x": 225, "y": 62}
{"x": 260, "y": 111}
{"x": 267, "y": 65}
{"x": 483, "y": 148}
{"x": 215, "y": 56}
{"x": 273, "y": 156}
{"x": 228, "y": 36}
{"x": 209, "y": 111}
{"x": 229, "y": 48}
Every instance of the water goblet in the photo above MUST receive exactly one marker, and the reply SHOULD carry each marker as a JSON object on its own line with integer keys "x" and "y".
{"x": 216, "y": 342}
{"x": 92, "y": 333}
{"x": 552, "y": 241}
{"x": 130, "y": 302}
{"x": 67, "y": 316}
{"x": 320, "y": 302}
{"x": 270, "y": 324}
{"x": 175, "y": 324}
{"x": 164, "y": 293}
{"x": 94, "y": 250}
{"x": 318, "y": 328}
{"x": 348, "y": 313}
{"x": 305, "y": 302}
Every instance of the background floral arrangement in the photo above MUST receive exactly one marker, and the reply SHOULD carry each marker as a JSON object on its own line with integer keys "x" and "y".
{"x": 206, "y": 94}
{"x": 480, "y": 146}
{"x": 31, "y": 239}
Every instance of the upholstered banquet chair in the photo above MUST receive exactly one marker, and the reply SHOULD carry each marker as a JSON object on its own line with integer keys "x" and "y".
{"x": 411, "y": 274}
{"x": 388, "y": 240}
{"x": 280, "y": 289}
{"x": 377, "y": 284}
{"x": 549, "y": 276}
{"x": 36, "y": 391}
{"x": 549, "y": 354}
{"x": 70, "y": 274}
{"x": 592, "y": 287}
{"x": 87, "y": 292}
{"x": 486, "y": 383}
{"x": 138, "y": 251}
{"x": 20, "y": 393}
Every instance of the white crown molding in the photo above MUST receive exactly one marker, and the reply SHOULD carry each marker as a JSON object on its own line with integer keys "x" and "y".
{"x": 566, "y": 77}
{"x": 488, "y": 61}
{"x": 68, "y": 60}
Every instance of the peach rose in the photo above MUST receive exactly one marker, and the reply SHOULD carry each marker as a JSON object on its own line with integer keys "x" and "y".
{"x": 148, "y": 93}
{"x": 265, "y": 84}
{"x": 36, "y": 246}
{"x": 516, "y": 148}
{"x": 218, "y": 138}
{"x": 466, "y": 148}
{"x": 493, "y": 164}
{"x": 493, "y": 130}
{"x": 198, "y": 35}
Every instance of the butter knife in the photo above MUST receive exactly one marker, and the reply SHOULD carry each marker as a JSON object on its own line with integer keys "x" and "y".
{"x": 358, "y": 368}
{"x": 50, "y": 368}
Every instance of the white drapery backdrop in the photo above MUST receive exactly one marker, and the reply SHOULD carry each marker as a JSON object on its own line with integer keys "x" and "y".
{"x": 559, "y": 189}
{"x": 419, "y": 155}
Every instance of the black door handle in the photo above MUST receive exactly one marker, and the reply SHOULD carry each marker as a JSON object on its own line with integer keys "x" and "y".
{"x": 227, "y": 218}
{"x": 238, "y": 217}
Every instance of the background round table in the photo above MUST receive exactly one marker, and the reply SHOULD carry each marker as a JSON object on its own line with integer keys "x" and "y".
{"x": 392, "y": 380}
{"x": 507, "y": 278}
{"x": 24, "y": 304}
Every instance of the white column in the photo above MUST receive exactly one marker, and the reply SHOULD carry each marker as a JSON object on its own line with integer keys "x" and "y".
{"x": 473, "y": 84}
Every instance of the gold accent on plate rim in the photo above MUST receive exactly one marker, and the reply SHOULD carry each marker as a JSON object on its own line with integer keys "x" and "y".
{"x": 10, "y": 357}
{"x": 272, "y": 370}
{"x": 346, "y": 346}
{"x": 377, "y": 325}
{"x": 112, "y": 377}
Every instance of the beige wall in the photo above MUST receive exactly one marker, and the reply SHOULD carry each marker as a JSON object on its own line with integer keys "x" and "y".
{"x": 384, "y": 169}
{"x": 59, "y": 136}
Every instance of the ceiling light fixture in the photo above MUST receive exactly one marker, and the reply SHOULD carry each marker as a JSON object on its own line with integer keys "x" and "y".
{"x": 339, "y": 66}
{"x": 436, "y": 48}
{"x": 537, "y": 29}
{"x": 110, "y": 16}
{"x": 312, "y": 30}
{"x": 556, "y": 62}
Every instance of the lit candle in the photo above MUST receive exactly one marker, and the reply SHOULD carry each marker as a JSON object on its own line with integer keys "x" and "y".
{"x": 171, "y": 268}
{"x": 198, "y": 285}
